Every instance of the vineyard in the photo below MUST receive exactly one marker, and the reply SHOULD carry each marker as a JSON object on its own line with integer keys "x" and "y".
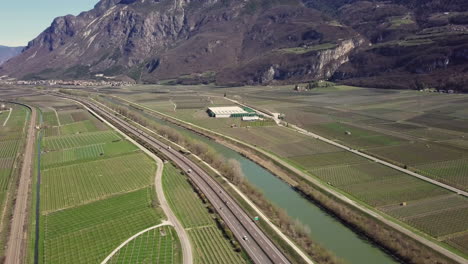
{"x": 12, "y": 136}
{"x": 95, "y": 192}
{"x": 181, "y": 198}
{"x": 453, "y": 171}
{"x": 73, "y": 185}
{"x": 210, "y": 246}
{"x": 73, "y": 141}
{"x": 159, "y": 246}
{"x": 86, "y": 153}
{"x": 88, "y": 233}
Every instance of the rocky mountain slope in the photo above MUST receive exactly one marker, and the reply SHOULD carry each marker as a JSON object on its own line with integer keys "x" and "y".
{"x": 7, "y": 53}
{"x": 393, "y": 43}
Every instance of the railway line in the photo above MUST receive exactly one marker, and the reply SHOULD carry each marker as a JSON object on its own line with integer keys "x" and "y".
{"x": 257, "y": 245}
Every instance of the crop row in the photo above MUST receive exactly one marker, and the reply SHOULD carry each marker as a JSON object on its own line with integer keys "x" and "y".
{"x": 8, "y": 149}
{"x": 73, "y": 141}
{"x": 100, "y": 232}
{"x": 156, "y": 246}
{"x": 70, "y": 155}
{"x": 85, "y": 182}
{"x": 183, "y": 200}
{"x": 211, "y": 248}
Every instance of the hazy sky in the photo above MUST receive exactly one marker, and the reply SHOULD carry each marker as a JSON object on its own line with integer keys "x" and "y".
{"x": 22, "y": 20}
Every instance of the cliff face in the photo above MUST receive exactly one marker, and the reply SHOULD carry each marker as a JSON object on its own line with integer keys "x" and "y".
{"x": 388, "y": 43}
{"x": 152, "y": 40}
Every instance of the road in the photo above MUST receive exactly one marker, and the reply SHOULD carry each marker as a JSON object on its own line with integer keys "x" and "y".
{"x": 16, "y": 245}
{"x": 165, "y": 223}
{"x": 186, "y": 246}
{"x": 332, "y": 192}
{"x": 257, "y": 245}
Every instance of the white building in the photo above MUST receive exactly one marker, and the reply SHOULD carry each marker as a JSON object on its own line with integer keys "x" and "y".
{"x": 226, "y": 112}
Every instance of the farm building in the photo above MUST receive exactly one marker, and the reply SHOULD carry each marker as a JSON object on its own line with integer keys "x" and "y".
{"x": 230, "y": 111}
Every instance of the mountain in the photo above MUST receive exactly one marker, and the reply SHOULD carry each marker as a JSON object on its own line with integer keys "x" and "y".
{"x": 392, "y": 43}
{"x": 7, "y": 53}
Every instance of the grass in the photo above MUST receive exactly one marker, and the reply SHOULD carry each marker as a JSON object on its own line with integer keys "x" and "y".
{"x": 78, "y": 127}
{"x": 73, "y": 185}
{"x": 156, "y": 246}
{"x": 88, "y": 233}
{"x": 326, "y": 159}
{"x": 86, "y": 153}
{"x": 453, "y": 171}
{"x": 354, "y": 136}
{"x": 95, "y": 192}
{"x": 440, "y": 224}
{"x": 73, "y": 141}
{"x": 425, "y": 131}
{"x": 210, "y": 246}
{"x": 418, "y": 153}
{"x": 50, "y": 119}
{"x": 181, "y": 198}
{"x": 303, "y": 50}
{"x": 12, "y": 136}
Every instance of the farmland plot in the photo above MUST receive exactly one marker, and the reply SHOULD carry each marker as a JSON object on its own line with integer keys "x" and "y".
{"x": 210, "y": 246}
{"x": 73, "y": 141}
{"x": 74, "y": 185}
{"x": 88, "y": 233}
{"x": 155, "y": 246}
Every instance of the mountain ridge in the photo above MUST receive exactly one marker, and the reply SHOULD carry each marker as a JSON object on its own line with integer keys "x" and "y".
{"x": 376, "y": 44}
{"x": 7, "y": 53}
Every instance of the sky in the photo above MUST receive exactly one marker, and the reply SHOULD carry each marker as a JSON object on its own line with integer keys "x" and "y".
{"x": 23, "y": 20}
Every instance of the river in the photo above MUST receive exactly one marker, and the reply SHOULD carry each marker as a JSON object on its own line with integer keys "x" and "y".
{"x": 324, "y": 228}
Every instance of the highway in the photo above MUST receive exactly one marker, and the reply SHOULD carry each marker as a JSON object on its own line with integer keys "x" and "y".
{"x": 257, "y": 245}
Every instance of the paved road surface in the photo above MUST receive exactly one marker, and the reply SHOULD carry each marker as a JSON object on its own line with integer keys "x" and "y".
{"x": 186, "y": 246}
{"x": 255, "y": 242}
{"x": 336, "y": 194}
{"x": 16, "y": 245}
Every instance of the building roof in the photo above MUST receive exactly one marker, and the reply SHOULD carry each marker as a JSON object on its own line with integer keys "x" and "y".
{"x": 227, "y": 110}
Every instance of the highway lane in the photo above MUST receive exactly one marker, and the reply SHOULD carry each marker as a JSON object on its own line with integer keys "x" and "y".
{"x": 256, "y": 243}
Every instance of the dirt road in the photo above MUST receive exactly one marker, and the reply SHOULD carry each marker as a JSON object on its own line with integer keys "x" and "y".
{"x": 16, "y": 246}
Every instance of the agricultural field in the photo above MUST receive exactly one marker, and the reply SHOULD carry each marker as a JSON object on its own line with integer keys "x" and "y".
{"x": 155, "y": 246}
{"x": 13, "y": 125}
{"x": 96, "y": 191}
{"x": 210, "y": 246}
{"x": 425, "y": 132}
{"x": 88, "y": 233}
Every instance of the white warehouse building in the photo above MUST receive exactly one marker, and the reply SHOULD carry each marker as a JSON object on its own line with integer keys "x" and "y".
{"x": 230, "y": 111}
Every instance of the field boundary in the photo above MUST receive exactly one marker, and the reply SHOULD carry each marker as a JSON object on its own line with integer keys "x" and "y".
{"x": 342, "y": 197}
{"x": 246, "y": 199}
{"x": 165, "y": 223}
{"x": 8, "y": 117}
{"x": 357, "y": 152}
{"x": 181, "y": 233}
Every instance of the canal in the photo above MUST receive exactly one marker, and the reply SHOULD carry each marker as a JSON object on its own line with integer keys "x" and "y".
{"x": 324, "y": 228}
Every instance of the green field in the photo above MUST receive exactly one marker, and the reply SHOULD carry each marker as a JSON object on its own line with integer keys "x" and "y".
{"x": 88, "y": 233}
{"x": 210, "y": 246}
{"x": 426, "y": 132}
{"x": 156, "y": 246}
{"x": 12, "y": 137}
{"x": 74, "y": 185}
{"x": 73, "y": 141}
{"x": 86, "y": 153}
{"x": 96, "y": 192}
